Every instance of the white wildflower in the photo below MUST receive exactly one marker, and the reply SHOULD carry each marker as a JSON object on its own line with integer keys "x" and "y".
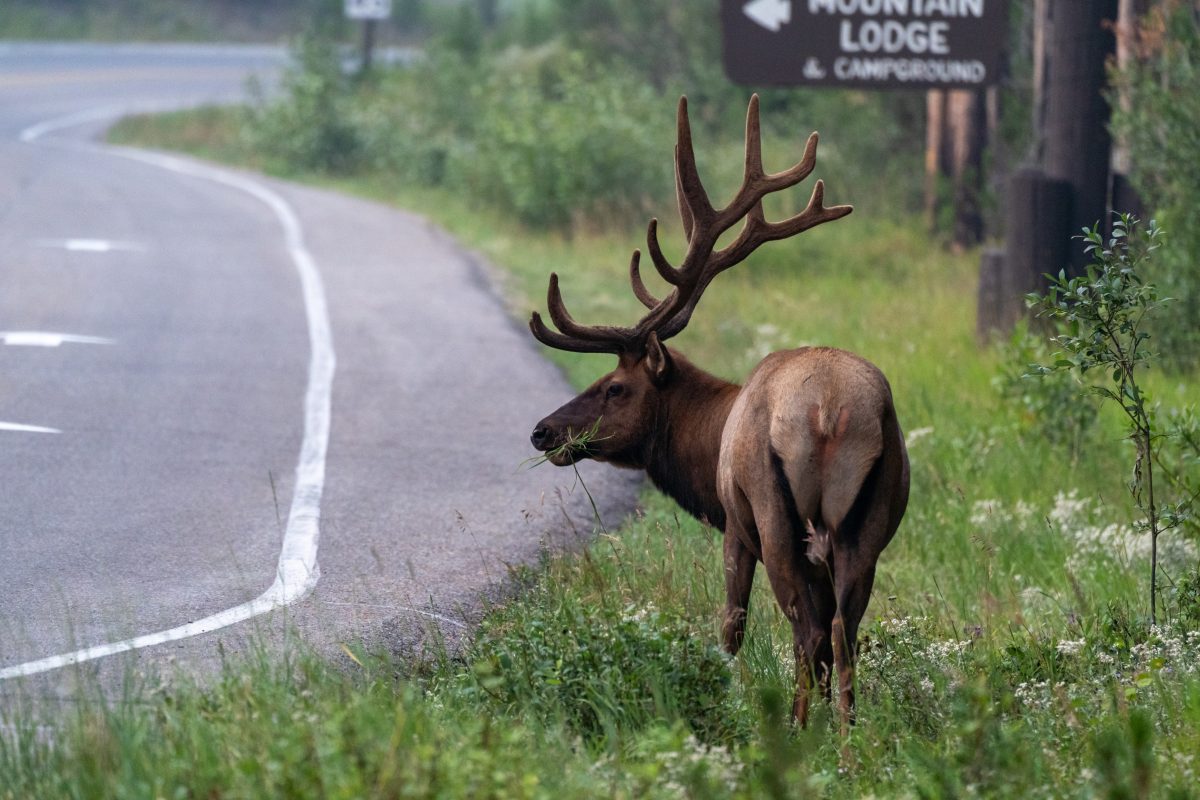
{"x": 984, "y": 511}
{"x": 717, "y": 761}
{"x": 1070, "y": 647}
{"x": 1068, "y": 508}
{"x": 915, "y": 435}
{"x": 1035, "y": 599}
{"x": 767, "y": 329}
{"x": 639, "y": 614}
{"x": 1034, "y": 696}
{"x": 945, "y": 650}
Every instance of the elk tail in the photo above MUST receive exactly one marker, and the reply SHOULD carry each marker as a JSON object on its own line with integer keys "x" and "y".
{"x": 819, "y": 543}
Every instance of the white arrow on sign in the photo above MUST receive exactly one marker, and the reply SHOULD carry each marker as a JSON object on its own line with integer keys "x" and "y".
{"x": 771, "y": 14}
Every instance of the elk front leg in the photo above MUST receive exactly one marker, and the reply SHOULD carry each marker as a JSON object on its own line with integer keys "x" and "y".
{"x": 739, "y": 579}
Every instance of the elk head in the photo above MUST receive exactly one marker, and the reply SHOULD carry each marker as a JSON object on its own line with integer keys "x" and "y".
{"x": 617, "y": 418}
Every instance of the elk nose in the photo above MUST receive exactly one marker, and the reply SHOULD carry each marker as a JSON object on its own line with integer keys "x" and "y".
{"x": 540, "y": 437}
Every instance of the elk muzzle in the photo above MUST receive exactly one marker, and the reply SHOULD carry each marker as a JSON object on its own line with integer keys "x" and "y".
{"x": 542, "y": 437}
{"x": 563, "y": 443}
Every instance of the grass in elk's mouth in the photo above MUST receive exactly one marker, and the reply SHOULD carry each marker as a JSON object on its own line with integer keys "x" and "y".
{"x": 570, "y": 451}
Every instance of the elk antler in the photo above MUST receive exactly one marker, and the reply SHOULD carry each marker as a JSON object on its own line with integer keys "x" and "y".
{"x": 702, "y": 227}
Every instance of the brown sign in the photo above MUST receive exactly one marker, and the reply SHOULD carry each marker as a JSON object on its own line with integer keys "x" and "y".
{"x": 878, "y": 44}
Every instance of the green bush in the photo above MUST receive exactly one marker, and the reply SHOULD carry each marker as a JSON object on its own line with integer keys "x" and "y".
{"x": 559, "y": 143}
{"x": 1051, "y": 407}
{"x": 544, "y": 121}
{"x": 600, "y": 670}
{"x": 309, "y": 127}
{"x": 414, "y": 124}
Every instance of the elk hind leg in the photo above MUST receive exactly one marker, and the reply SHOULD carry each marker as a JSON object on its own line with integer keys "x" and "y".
{"x": 853, "y": 594}
{"x": 804, "y": 595}
{"x": 864, "y": 531}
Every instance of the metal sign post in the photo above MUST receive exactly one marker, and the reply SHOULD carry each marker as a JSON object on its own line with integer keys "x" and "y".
{"x": 879, "y": 44}
{"x": 370, "y": 12}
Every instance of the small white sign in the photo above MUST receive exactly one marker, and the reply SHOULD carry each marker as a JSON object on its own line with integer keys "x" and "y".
{"x": 368, "y": 9}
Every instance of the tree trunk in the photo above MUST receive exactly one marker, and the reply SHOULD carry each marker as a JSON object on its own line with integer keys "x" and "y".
{"x": 935, "y": 155}
{"x": 1036, "y": 211}
{"x": 955, "y": 134}
{"x": 968, "y": 132}
{"x": 1124, "y": 197}
{"x": 1077, "y": 41}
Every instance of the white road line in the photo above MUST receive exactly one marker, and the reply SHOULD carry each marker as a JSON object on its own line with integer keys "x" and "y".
{"x": 35, "y": 132}
{"x": 99, "y": 114}
{"x": 17, "y": 428}
{"x": 296, "y": 573}
{"x": 47, "y": 339}
{"x": 91, "y": 245}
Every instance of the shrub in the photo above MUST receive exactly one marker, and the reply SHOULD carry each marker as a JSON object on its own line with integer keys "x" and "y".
{"x": 1050, "y": 407}
{"x": 1102, "y": 318}
{"x": 558, "y": 142}
{"x": 557, "y": 130}
{"x": 598, "y": 670}
{"x": 309, "y": 127}
{"x": 416, "y": 123}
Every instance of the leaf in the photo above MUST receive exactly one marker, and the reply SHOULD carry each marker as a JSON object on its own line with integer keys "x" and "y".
{"x": 350, "y": 653}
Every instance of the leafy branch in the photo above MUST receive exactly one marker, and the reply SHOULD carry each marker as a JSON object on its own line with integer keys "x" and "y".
{"x": 1101, "y": 319}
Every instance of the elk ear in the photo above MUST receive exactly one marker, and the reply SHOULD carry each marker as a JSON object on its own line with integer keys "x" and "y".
{"x": 658, "y": 360}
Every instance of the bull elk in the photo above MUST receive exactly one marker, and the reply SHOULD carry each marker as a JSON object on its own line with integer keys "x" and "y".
{"x": 804, "y": 468}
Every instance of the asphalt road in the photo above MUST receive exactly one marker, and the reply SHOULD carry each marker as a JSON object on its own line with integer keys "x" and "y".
{"x": 274, "y": 408}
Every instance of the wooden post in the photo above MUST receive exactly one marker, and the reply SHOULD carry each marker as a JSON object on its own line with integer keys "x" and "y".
{"x": 991, "y": 321}
{"x": 1037, "y": 210}
{"x": 488, "y": 13}
{"x": 1077, "y": 42}
{"x": 1047, "y": 205}
{"x": 968, "y": 131}
{"x": 955, "y": 134}
{"x": 935, "y": 133}
{"x": 368, "y": 44}
{"x": 1124, "y": 197}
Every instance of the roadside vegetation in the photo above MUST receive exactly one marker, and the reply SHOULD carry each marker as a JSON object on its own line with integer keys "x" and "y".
{"x": 1009, "y": 650}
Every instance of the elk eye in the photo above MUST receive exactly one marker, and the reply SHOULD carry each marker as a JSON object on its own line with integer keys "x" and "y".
{"x": 614, "y": 390}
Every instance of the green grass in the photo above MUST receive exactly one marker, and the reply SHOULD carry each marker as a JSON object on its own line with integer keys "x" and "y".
{"x": 1007, "y": 648}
